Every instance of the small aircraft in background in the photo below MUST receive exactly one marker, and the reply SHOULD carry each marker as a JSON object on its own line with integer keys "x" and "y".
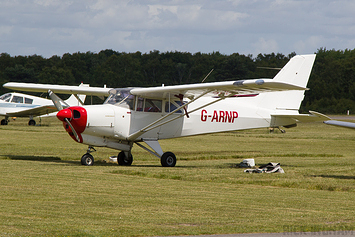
{"x": 143, "y": 116}
{"x": 21, "y": 105}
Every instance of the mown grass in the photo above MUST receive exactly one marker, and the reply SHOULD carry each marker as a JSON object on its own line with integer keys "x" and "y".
{"x": 45, "y": 190}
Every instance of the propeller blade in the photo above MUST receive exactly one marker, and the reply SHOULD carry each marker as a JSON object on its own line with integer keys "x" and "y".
{"x": 72, "y": 129}
{"x": 56, "y": 100}
{"x": 57, "y": 103}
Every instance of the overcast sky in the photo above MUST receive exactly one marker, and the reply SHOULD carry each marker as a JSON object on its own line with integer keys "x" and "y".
{"x": 55, "y": 27}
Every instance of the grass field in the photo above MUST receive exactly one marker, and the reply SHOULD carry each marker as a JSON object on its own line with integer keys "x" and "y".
{"x": 45, "y": 191}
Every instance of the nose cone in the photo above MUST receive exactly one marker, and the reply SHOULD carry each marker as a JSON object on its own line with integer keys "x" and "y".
{"x": 64, "y": 113}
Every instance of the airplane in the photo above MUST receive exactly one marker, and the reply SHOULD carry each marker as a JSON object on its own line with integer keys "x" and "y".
{"x": 21, "y": 105}
{"x": 143, "y": 116}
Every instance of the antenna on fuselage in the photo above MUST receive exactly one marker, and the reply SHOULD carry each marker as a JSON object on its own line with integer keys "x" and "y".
{"x": 207, "y": 75}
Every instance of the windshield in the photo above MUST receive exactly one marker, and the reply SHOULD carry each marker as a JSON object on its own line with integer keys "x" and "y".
{"x": 6, "y": 97}
{"x": 120, "y": 97}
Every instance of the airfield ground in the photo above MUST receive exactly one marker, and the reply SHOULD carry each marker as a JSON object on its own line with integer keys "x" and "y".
{"x": 45, "y": 190}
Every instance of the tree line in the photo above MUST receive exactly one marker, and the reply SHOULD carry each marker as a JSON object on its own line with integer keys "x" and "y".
{"x": 332, "y": 81}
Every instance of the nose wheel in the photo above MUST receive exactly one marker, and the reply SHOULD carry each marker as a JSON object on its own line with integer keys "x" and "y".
{"x": 87, "y": 160}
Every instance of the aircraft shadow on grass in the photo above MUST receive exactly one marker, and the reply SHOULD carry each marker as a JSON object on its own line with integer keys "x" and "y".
{"x": 34, "y": 158}
{"x": 56, "y": 159}
{"x": 53, "y": 159}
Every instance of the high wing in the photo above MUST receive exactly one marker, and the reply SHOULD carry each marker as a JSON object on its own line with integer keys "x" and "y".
{"x": 60, "y": 89}
{"x": 340, "y": 123}
{"x": 37, "y": 111}
{"x": 240, "y": 87}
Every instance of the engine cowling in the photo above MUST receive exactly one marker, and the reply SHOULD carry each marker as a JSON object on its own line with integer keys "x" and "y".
{"x": 77, "y": 116}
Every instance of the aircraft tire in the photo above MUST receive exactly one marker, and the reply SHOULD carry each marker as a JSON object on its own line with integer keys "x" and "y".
{"x": 123, "y": 160}
{"x": 4, "y": 122}
{"x": 87, "y": 160}
{"x": 31, "y": 123}
{"x": 168, "y": 159}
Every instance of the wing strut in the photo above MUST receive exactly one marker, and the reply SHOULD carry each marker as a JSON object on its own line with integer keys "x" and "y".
{"x": 80, "y": 101}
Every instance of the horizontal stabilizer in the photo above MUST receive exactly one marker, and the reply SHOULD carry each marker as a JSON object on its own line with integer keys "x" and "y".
{"x": 290, "y": 119}
{"x": 304, "y": 118}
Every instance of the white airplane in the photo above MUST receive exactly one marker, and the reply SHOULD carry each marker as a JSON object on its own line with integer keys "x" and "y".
{"x": 145, "y": 115}
{"x": 21, "y": 105}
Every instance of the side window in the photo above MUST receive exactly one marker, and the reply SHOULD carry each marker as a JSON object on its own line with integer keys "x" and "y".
{"x": 173, "y": 106}
{"x": 140, "y": 104}
{"x": 28, "y": 101}
{"x": 17, "y": 99}
{"x": 152, "y": 105}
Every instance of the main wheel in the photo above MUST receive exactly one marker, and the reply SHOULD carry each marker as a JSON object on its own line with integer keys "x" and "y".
{"x": 31, "y": 122}
{"x": 122, "y": 159}
{"x": 87, "y": 160}
{"x": 4, "y": 122}
{"x": 168, "y": 159}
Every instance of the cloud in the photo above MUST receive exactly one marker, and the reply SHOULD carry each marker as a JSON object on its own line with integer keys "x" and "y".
{"x": 48, "y": 27}
{"x": 265, "y": 46}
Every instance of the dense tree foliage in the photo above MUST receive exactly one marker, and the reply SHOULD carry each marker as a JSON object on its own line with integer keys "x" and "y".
{"x": 332, "y": 81}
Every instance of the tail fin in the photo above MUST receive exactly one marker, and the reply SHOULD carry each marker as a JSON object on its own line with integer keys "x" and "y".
{"x": 73, "y": 101}
{"x": 297, "y": 72}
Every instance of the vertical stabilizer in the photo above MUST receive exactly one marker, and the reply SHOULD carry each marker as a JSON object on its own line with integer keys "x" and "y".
{"x": 297, "y": 72}
{"x": 73, "y": 101}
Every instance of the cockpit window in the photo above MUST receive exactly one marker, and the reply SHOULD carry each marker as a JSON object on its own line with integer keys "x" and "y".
{"x": 152, "y": 105}
{"x": 6, "y": 97}
{"x": 120, "y": 97}
{"x": 28, "y": 101}
{"x": 17, "y": 99}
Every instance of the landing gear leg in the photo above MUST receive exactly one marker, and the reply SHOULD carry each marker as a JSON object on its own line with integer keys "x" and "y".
{"x": 167, "y": 159}
{"x": 87, "y": 159}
